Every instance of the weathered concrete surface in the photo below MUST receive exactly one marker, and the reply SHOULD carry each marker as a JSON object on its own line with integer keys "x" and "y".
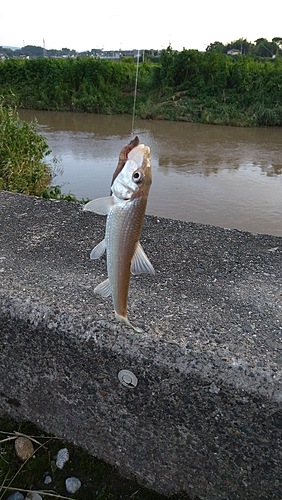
{"x": 206, "y": 414}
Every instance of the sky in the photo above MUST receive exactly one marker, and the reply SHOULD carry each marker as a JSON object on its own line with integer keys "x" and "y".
{"x": 127, "y": 25}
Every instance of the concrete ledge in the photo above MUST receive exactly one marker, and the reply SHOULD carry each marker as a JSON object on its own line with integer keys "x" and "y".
{"x": 206, "y": 416}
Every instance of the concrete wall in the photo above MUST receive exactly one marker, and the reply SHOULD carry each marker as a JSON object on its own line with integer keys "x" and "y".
{"x": 205, "y": 416}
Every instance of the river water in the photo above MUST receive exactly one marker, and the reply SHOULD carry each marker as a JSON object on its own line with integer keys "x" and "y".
{"x": 224, "y": 176}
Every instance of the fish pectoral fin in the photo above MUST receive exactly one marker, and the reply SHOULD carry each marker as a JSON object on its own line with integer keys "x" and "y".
{"x": 103, "y": 288}
{"x": 140, "y": 262}
{"x": 98, "y": 250}
{"x": 101, "y": 206}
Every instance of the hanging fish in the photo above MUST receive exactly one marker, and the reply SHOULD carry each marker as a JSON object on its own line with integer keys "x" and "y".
{"x": 125, "y": 210}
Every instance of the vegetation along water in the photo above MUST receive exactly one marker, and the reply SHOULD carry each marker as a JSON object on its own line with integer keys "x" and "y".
{"x": 23, "y": 168}
{"x": 24, "y": 164}
{"x": 210, "y": 87}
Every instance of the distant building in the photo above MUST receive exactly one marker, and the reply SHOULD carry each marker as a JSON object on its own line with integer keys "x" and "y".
{"x": 234, "y": 52}
{"x": 115, "y": 54}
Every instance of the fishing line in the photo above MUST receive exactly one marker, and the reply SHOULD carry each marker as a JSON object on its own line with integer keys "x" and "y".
{"x": 135, "y": 94}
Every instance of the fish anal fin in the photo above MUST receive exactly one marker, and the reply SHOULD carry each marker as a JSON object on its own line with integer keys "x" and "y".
{"x": 140, "y": 262}
{"x": 101, "y": 206}
{"x": 103, "y": 288}
{"x": 98, "y": 250}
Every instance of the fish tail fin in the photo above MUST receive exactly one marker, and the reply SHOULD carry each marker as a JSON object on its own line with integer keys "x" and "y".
{"x": 125, "y": 320}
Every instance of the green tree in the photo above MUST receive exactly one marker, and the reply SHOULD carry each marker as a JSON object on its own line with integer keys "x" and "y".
{"x": 218, "y": 46}
{"x": 166, "y": 73}
{"x": 241, "y": 44}
{"x": 29, "y": 50}
{"x": 264, "y": 48}
{"x": 278, "y": 41}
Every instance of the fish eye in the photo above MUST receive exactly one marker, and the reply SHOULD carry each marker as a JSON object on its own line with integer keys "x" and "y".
{"x": 137, "y": 177}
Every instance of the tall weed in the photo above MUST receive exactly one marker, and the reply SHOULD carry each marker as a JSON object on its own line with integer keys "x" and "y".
{"x": 23, "y": 152}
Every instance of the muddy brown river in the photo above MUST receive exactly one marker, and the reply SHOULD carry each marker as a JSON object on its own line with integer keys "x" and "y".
{"x": 224, "y": 176}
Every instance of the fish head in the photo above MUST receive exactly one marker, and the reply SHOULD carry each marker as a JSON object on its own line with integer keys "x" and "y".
{"x": 135, "y": 178}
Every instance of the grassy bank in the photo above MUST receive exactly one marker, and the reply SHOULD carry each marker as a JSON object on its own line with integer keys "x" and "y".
{"x": 24, "y": 165}
{"x": 23, "y": 151}
{"x": 189, "y": 86}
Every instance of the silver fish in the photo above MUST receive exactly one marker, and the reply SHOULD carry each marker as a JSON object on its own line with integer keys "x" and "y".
{"x": 125, "y": 210}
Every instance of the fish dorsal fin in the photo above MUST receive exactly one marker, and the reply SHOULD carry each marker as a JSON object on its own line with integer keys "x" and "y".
{"x": 140, "y": 262}
{"x": 98, "y": 250}
{"x": 103, "y": 288}
{"x": 101, "y": 206}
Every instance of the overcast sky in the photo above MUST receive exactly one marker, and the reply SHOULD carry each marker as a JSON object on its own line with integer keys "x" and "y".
{"x": 147, "y": 24}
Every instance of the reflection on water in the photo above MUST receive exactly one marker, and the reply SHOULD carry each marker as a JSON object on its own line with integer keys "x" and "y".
{"x": 224, "y": 176}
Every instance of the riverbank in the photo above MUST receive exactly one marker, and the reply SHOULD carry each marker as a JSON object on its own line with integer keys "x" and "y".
{"x": 185, "y": 86}
{"x": 205, "y": 415}
{"x": 182, "y": 107}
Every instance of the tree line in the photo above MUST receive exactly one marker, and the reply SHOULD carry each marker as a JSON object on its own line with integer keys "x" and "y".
{"x": 212, "y": 87}
{"x": 209, "y": 87}
{"x": 81, "y": 84}
{"x": 259, "y": 49}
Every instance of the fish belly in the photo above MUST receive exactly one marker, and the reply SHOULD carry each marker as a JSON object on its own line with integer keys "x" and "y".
{"x": 123, "y": 229}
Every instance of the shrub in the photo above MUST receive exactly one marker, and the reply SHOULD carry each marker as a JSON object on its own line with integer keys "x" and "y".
{"x": 23, "y": 152}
